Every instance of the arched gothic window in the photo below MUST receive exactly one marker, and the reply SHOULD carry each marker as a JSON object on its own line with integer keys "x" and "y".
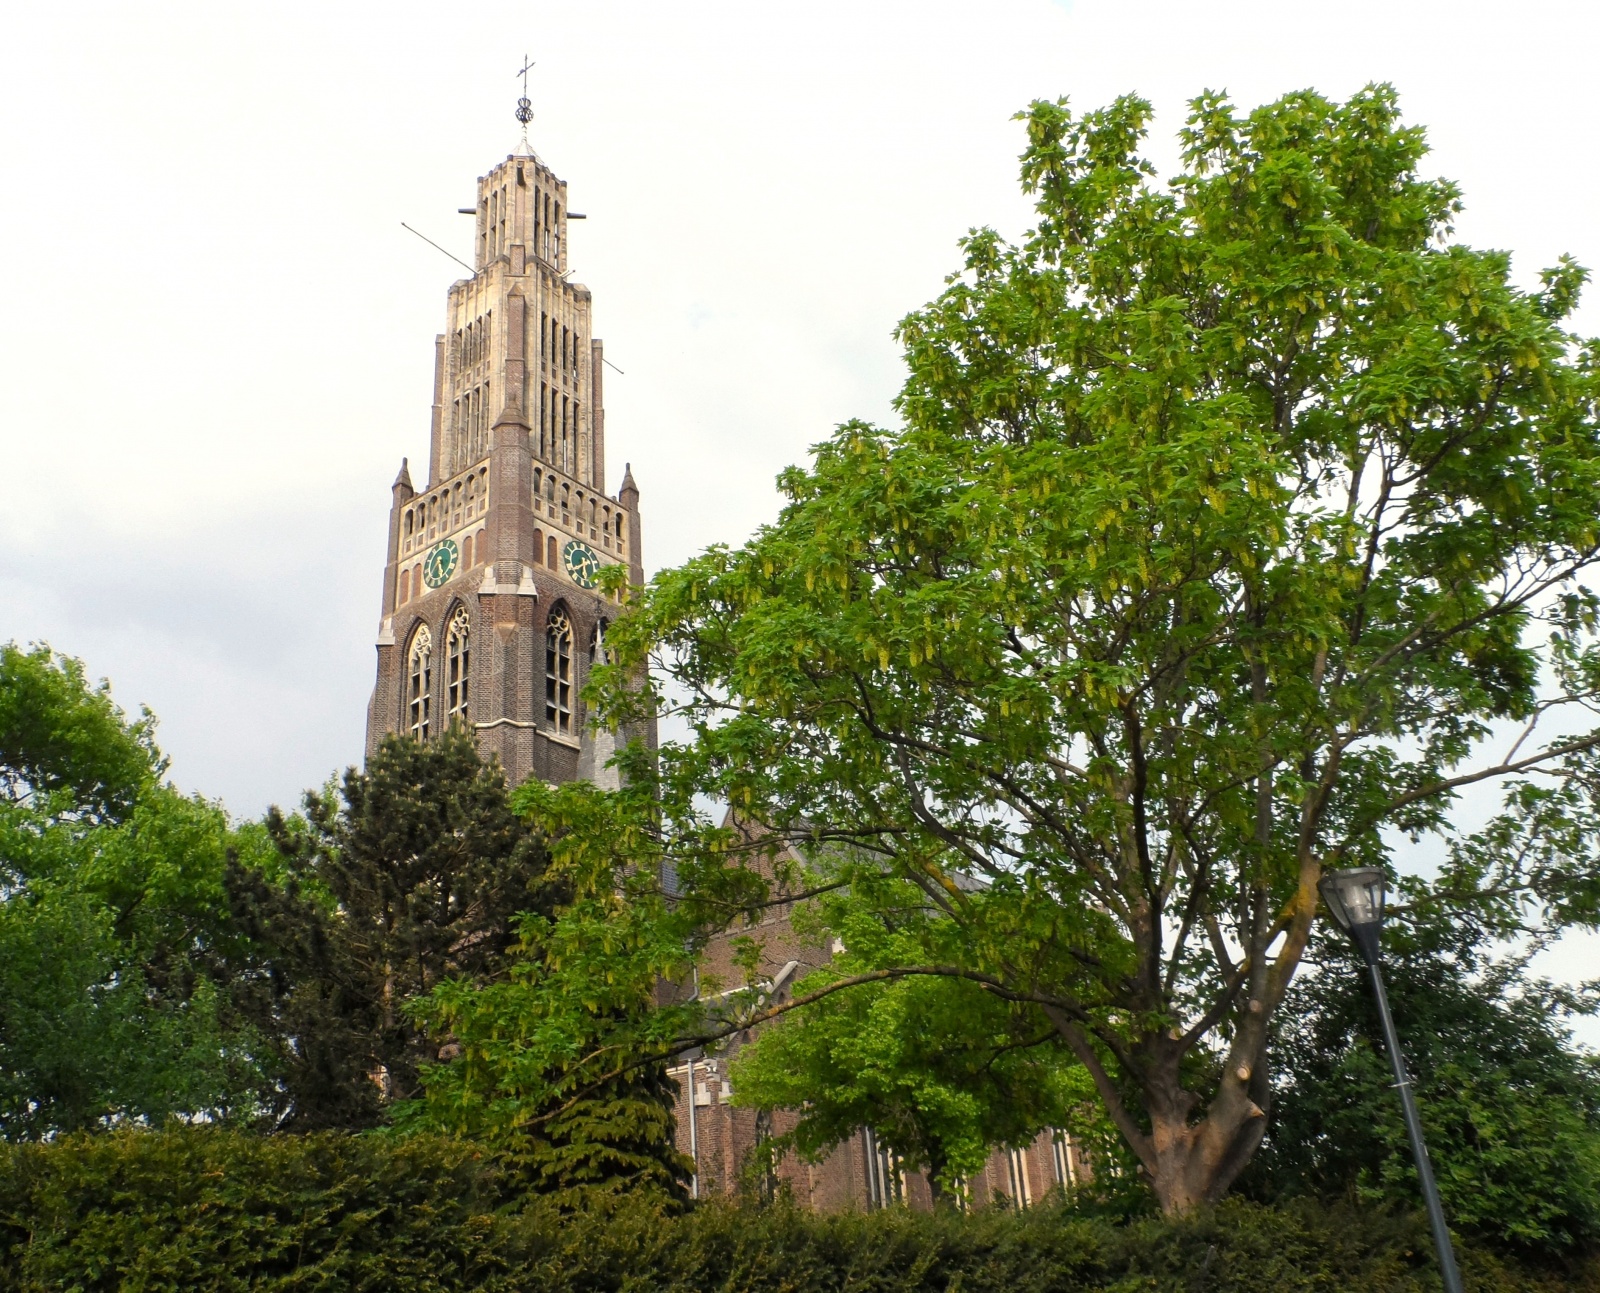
{"x": 419, "y": 689}
{"x": 458, "y": 668}
{"x": 558, "y": 671}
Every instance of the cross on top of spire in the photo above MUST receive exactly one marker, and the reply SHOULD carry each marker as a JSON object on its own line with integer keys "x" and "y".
{"x": 524, "y": 104}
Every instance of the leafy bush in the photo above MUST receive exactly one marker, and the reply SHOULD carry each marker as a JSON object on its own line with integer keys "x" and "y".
{"x": 1510, "y": 1107}
{"x": 213, "y": 1211}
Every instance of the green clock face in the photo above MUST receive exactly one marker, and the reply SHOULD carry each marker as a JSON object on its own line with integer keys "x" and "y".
{"x": 582, "y": 563}
{"x": 441, "y": 563}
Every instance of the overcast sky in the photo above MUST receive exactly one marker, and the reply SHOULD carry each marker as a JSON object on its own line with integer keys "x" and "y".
{"x": 217, "y": 339}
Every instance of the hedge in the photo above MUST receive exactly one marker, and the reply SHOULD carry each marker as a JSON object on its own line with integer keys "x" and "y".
{"x": 200, "y": 1210}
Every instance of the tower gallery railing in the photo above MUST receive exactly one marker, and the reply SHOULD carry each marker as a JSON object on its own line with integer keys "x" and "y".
{"x": 460, "y": 502}
{"x": 443, "y": 510}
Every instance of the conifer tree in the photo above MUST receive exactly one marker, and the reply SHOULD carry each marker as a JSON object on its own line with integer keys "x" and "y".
{"x": 413, "y": 872}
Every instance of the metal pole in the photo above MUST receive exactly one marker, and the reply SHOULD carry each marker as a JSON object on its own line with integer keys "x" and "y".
{"x": 1448, "y": 1273}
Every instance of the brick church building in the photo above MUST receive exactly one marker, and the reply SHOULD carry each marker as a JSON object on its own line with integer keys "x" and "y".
{"x": 491, "y": 618}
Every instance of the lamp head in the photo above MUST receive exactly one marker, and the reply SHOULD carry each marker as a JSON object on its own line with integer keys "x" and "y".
{"x": 1355, "y": 901}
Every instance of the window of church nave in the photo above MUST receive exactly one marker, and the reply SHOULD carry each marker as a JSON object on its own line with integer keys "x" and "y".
{"x": 458, "y": 670}
{"x": 1017, "y": 1172}
{"x": 558, "y": 670}
{"x": 1061, "y": 1159}
{"x": 886, "y": 1173}
{"x": 420, "y": 683}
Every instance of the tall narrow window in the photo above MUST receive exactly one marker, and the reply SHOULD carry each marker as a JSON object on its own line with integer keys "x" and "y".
{"x": 886, "y": 1180}
{"x": 1017, "y": 1170}
{"x": 1061, "y": 1154}
{"x": 419, "y": 690}
{"x": 558, "y": 671}
{"x": 458, "y": 668}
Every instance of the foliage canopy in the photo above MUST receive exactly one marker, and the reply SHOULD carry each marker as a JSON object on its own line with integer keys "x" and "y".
{"x": 1229, "y": 519}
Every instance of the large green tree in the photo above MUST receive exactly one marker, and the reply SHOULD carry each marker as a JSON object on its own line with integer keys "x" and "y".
{"x": 113, "y": 910}
{"x": 1230, "y": 518}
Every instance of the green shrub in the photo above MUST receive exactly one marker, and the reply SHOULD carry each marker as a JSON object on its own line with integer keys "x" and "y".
{"x": 206, "y": 1209}
{"x": 213, "y": 1211}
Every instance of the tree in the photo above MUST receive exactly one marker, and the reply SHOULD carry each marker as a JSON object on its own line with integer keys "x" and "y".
{"x": 1511, "y": 1110}
{"x": 940, "y": 1069}
{"x": 65, "y": 746}
{"x": 1228, "y": 520}
{"x": 414, "y": 872}
{"x": 112, "y": 905}
{"x": 557, "y": 1064}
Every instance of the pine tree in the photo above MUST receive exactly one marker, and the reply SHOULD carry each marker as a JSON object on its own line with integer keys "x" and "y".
{"x": 413, "y": 872}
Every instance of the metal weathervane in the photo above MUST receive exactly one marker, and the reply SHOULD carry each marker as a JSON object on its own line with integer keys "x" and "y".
{"x": 525, "y": 104}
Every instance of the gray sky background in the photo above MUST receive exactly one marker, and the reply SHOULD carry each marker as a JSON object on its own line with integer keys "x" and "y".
{"x": 216, "y": 339}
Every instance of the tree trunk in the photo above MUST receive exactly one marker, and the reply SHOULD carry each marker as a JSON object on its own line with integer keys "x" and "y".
{"x": 1189, "y": 1162}
{"x": 1193, "y": 1162}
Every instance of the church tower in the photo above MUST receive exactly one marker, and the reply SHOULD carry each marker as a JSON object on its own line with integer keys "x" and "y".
{"x": 490, "y": 613}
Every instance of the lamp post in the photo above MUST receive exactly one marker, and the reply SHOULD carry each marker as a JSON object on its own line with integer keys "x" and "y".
{"x": 1355, "y": 900}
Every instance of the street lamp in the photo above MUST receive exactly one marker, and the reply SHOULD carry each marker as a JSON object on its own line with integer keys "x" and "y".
{"x": 1355, "y": 900}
